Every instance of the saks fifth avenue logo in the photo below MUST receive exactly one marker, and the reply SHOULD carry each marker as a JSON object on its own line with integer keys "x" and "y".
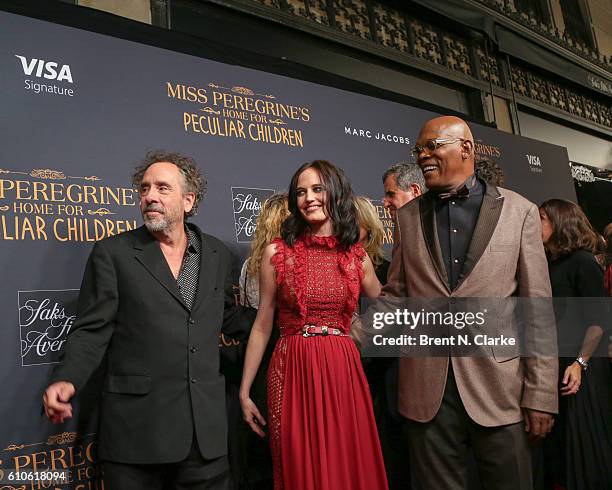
{"x": 49, "y": 70}
{"x": 535, "y": 165}
{"x": 45, "y": 319}
{"x": 247, "y": 205}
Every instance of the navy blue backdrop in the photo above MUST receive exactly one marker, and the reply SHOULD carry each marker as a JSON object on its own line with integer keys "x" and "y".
{"x": 79, "y": 109}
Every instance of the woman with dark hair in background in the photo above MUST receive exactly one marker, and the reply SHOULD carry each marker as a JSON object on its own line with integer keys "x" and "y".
{"x": 578, "y": 453}
{"x": 607, "y": 259}
{"x": 607, "y": 236}
{"x": 321, "y": 424}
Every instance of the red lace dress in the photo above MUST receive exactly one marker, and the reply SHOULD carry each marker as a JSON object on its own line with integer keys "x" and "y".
{"x": 322, "y": 429}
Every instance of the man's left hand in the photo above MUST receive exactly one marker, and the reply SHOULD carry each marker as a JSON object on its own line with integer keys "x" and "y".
{"x": 537, "y": 424}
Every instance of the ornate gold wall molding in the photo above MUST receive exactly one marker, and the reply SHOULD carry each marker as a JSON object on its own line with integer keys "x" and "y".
{"x": 402, "y": 36}
{"x": 560, "y": 96}
{"x": 526, "y": 18}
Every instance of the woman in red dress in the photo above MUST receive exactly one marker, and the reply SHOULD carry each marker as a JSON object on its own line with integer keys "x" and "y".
{"x": 322, "y": 430}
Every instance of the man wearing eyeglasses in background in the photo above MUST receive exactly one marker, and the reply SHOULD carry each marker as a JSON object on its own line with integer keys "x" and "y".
{"x": 467, "y": 239}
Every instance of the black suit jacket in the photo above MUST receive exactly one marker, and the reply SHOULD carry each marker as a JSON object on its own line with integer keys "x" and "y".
{"x": 162, "y": 380}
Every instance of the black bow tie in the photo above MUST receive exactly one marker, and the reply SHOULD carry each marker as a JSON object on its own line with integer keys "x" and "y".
{"x": 462, "y": 193}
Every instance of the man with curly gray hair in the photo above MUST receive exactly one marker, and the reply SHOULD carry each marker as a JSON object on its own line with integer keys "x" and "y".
{"x": 192, "y": 181}
{"x": 152, "y": 303}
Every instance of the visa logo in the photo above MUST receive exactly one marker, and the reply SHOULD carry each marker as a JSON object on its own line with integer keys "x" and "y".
{"x": 46, "y": 69}
{"x": 534, "y": 160}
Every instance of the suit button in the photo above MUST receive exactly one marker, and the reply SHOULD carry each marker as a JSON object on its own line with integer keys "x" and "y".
{"x": 193, "y": 380}
{"x": 193, "y": 350}
{"x": 452, "y": 301}
{"x": 191, "y": 321}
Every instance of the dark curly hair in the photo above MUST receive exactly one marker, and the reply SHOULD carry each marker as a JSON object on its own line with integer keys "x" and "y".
{"x": 193, "y": 179}
{"x": 571, "y": 229}
{"x": 607, "y": 235}
{"x": 339, "y": 205}
{"x": 490, "y": 172}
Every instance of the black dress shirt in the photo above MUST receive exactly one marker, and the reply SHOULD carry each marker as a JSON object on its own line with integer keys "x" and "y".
{"x": 456, "y": 218}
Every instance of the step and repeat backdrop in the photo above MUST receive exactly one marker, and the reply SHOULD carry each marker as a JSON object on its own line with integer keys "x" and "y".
{"x": 77, "y": 112}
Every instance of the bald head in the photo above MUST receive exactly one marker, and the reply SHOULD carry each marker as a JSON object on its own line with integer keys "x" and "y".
{"x": 449, "y": 126}
{"x": 447, "y": 155}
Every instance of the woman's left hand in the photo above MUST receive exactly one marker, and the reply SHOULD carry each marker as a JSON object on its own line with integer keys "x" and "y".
{"x": 571, "y": 379}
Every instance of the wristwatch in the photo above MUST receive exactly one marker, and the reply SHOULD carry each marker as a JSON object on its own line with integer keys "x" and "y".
{"x": 583, "y": 364}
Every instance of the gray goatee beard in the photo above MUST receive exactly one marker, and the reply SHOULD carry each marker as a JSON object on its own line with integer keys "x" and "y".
{"x": 158, "y": 224}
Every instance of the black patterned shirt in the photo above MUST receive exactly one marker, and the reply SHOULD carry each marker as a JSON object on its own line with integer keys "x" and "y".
{"x": 187, "y": 279}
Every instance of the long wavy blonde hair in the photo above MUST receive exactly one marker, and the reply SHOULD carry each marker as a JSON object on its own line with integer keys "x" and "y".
{"x": 367, "y": 216}
{"x": 273, "y": 212}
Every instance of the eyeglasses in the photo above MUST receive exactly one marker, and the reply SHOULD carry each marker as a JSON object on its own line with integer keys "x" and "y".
{"x": 432, "y": 145}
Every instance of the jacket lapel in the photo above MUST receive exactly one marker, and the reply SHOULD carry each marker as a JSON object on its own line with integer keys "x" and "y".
{"x": 209, "y": 265}
{"x": 428, "y": 225}
{"x": 151, "y": 257}
{"x": 488, "y": 217}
